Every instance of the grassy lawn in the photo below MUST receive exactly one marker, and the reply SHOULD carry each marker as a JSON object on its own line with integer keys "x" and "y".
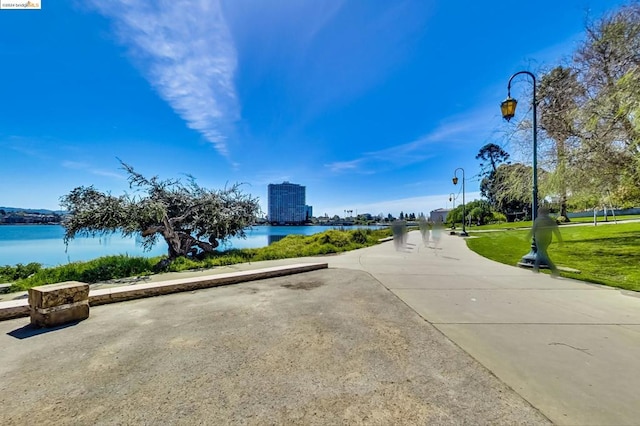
{"x": 600, "y": 218}
{"x": 527, "y": 223}
{"x": 502, "y": 225}
{"x": 606, "y": 254}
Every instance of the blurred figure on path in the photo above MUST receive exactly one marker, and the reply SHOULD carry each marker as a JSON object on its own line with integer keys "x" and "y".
{"x": 542, "y": 230}
{"x": 424, "y": 230}
{"x": 399, "y": 229}
{"x": 436, "y": 231}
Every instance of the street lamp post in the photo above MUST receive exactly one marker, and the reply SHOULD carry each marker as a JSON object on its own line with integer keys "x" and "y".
{"x": 464, "y": 211}
{"x": 452, "y": 198}
{"x": 508, "y": 108}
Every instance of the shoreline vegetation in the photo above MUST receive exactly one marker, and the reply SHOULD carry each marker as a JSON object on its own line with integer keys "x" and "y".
{"x": 23, "y": 277}
{"x": 605, "y": 255}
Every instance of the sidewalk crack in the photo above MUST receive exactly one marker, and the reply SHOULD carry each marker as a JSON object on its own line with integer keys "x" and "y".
{"x": 586, "y": 351}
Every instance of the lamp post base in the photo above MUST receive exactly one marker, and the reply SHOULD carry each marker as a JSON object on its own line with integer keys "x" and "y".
{"x": 529, "y": 259}
{"x": 464, "y": 234}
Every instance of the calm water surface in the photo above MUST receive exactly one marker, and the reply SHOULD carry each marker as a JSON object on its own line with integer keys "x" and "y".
{"x": 44, "y": 243}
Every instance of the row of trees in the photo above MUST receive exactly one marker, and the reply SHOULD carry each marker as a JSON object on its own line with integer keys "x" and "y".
{"x": 478, "y": 212}
{"x": 589, "y": 127}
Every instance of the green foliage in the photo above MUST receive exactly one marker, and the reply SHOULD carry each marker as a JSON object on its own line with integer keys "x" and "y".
{"x": 19, "y": 271}
{"x": 508, "y": 189}
{"x": 101, "y": 269}
{"x": 498, "y": 217}
{"x": 332, "y": 241}
{"x": 359, "y": 236}
{"x": 478, "y": 212}
{"x": 491, "y": 155}
{"x": 190, "y": 218}
{"x": 114, "y": 267}
{"x": 212, "y": 260}
{"x": 588, "y": 146}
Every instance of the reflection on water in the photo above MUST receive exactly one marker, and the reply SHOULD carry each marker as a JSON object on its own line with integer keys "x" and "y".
{"x": 274, "y": 238}
{"x": 44, "y": 243}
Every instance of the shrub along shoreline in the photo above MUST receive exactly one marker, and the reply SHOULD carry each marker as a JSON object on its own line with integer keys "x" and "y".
{"x": 108, "y": 268}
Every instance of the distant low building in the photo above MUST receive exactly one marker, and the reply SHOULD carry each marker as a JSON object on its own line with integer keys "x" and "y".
{"x": 439, "y": 215}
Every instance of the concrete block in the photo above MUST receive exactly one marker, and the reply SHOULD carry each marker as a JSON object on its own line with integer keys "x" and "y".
{"x": 14, "y": 309}
{"x": 57, "y": 304}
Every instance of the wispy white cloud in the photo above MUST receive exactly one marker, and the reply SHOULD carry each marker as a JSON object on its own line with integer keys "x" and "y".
{"x": 107, "y": 173}
{"x": 77, "y": 165}
{"x": 28, "y": 146}
{"x": 185, "y": 51}
{"x": 343, "y": 166}
{"x": 469, "y": 128}
{"x": 392, "y": 157}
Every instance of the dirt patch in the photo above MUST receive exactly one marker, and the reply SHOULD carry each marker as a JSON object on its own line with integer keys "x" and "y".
{"x": 303, "y": 285}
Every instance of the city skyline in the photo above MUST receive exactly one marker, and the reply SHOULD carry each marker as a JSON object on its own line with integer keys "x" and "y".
{"x": 370, "y": 105}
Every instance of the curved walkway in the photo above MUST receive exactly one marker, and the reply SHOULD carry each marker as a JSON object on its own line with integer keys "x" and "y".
{"x": 570, "y": 348}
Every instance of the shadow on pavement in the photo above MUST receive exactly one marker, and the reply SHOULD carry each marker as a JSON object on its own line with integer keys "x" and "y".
{"x": 31, "y": 330}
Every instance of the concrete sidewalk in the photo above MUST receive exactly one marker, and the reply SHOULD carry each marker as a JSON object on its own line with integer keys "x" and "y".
{"x": 570, "y": 348}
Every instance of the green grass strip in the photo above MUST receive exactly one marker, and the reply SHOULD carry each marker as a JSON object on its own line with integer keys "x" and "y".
{"x": 604, "y": 254}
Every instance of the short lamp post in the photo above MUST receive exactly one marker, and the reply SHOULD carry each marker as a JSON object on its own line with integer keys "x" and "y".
{"x": 508, "y": 108}
{"x": 464, "y": 211}
{"x": 452, "y": 199}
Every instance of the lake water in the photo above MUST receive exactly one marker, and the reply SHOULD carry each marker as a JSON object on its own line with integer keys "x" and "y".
{"x": 44, "y": 243}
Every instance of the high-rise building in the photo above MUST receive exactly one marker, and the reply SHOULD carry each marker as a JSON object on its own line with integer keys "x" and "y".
{"x": 287, "y": 204}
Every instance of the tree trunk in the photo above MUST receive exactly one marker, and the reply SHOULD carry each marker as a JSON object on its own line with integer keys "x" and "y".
{"x": 183, "y": 244}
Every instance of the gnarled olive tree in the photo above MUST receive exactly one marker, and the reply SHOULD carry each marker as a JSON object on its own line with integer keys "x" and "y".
{"x": 192, "y": 220}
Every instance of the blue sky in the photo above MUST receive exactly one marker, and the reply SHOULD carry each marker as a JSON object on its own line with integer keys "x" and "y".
{"x": 371, "y": 105}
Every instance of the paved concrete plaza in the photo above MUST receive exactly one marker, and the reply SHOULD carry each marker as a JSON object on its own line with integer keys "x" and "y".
{"x": 324, "y": 347}
{"x": 430, "y": 334}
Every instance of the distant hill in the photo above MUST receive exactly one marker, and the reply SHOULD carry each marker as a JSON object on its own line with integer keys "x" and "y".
{"x": 39, "y": 211}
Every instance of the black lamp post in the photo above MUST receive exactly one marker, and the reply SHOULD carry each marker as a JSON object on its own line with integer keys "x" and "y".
{"x": 452, "y": 198}
{"x": 464, "y": 211}
{"x": 508, "y": 108}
